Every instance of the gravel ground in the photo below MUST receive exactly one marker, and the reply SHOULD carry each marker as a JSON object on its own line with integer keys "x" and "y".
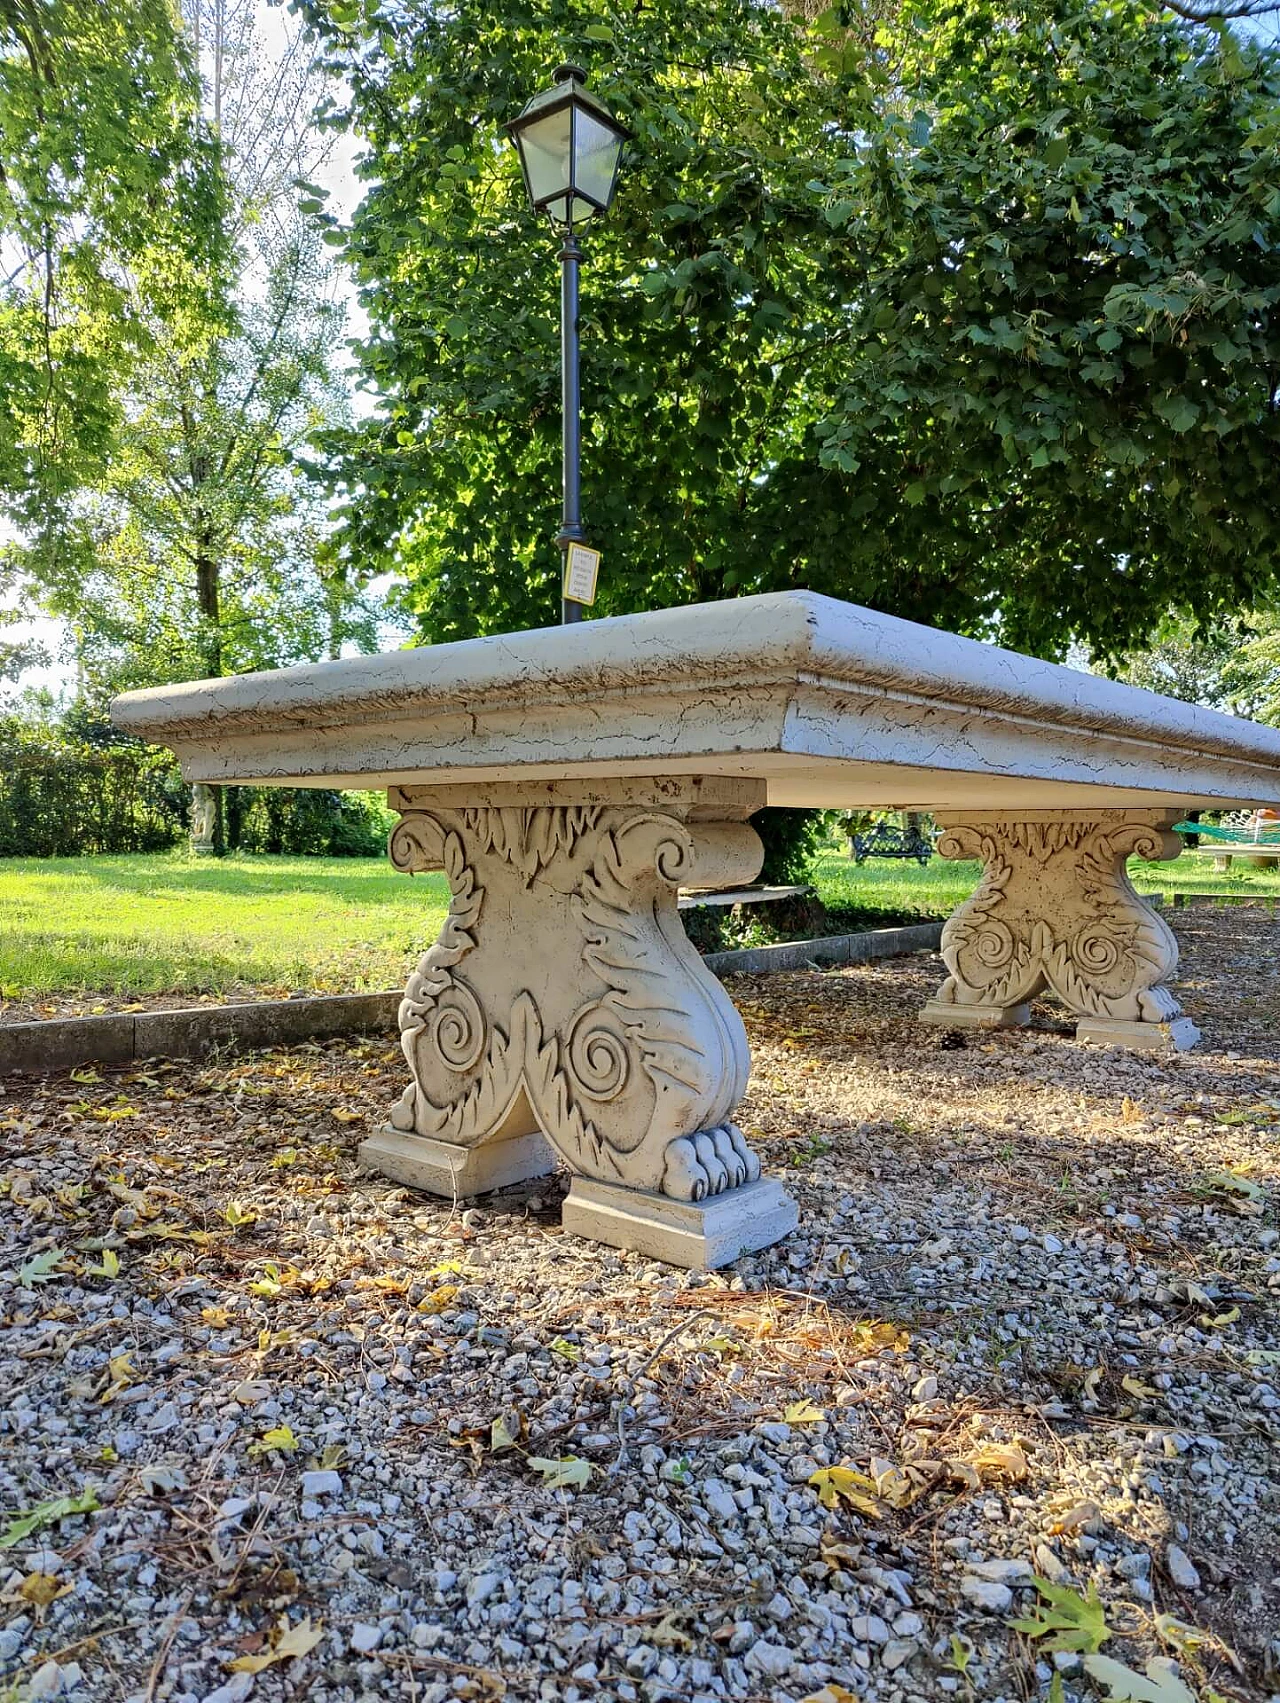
{"x": 1032, "y": 1307}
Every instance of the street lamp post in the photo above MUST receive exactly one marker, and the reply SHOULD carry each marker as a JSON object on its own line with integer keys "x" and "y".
{"x": 569, "y": 145}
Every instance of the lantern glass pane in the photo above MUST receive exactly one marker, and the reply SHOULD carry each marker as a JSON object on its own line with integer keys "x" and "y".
{"x": 596, "y": 149}
{"x": 544, "y": 148}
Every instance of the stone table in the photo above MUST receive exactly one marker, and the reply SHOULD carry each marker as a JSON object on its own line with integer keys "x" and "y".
{"x": 568, "y": 781}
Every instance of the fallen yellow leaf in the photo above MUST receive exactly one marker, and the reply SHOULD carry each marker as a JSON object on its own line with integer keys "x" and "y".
{"x": 1136, "y": 1387}
{"x": 287, "y": 1641}
{"x": 834, "y": 1483}
{"x": 41, "y": 1589}
{"x": 439, "y": 1299}
{"x": 1080, "y": 1516}
{"x": 280, "y": 1437}
{"x": 1001, "y": 1460}
{"x": 120, "y": 1370}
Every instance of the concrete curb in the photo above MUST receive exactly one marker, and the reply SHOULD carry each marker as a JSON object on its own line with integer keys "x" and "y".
{"x": 62, "y": 1043}
{"x": 121, "y": 1038}
{"x": 832, "y": 949}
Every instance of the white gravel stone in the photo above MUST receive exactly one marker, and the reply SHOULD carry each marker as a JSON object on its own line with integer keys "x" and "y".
{"x": 987, "y": 1594}
{"x": 1005, "y": 1571}
{"x": 236, "y": 1689}
{"x": 896, "y": 1652}
{"x": 869, "y": 1629}
{"x": 1181, "y": 1569}
{"x": 772, "y": 1661}
{"x": 322, "y": 1483}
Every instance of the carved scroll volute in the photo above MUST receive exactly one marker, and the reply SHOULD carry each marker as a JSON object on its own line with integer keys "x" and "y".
{"x": 443, "y": 1031}
{"x": 416, "y": 843}
{"x": 1112, "y": 964}
{"x": 988, "y": 962}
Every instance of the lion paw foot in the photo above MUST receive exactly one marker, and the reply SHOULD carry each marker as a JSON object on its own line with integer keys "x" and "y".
{"x": 699, "y": 1166}
{"x": 1158, "y": 1005}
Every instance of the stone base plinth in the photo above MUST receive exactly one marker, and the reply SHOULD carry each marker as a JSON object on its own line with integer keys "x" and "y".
{"x": 444, "y": 1168}
{"x": 692, "y": 1234}
{"x": 947, "y": 1015}
{"x": 1172, "y": 1037}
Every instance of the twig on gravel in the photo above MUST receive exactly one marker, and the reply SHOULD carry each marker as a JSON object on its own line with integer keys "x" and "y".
{"x": 667, "y": 1340}
{"x": 166, "y": 1644}
{"x": 92, "y": 1638}
{"x": 255, "y": 1531}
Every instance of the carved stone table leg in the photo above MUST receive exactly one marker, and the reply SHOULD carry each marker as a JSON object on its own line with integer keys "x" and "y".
{"x": 563, "y": 1012}
{"x": 1055, "y": 909}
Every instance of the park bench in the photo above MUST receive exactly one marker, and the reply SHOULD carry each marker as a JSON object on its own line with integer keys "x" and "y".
{"x": 889, "y": 839}
{"x": 569, "y": 781}
{"x": 1248, "y": 836}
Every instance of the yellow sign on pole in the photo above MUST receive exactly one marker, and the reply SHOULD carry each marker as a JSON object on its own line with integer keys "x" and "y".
{"x": 581, "y": 566}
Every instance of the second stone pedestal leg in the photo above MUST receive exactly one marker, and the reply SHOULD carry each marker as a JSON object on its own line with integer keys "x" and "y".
{"x": 1055, "y": 911}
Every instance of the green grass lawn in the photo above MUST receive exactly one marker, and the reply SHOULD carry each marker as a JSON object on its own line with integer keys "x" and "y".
{"x": 172, "y": 923}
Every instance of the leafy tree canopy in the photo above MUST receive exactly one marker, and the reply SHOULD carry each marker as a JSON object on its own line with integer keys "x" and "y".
{"x": 111, "y": 221}
{"x": 195, "y": 543}
{"x": 964, "y": 312}
{"x": 1232, "y": 664}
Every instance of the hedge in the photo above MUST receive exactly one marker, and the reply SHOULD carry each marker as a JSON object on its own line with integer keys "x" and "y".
{"x": 66, "y": 795}
{"x": 62, "y": 797}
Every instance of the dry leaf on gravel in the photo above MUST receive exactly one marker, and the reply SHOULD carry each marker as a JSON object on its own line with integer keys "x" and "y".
{"x": 287, "y": 1643}
{"x": 835, "y": 1484}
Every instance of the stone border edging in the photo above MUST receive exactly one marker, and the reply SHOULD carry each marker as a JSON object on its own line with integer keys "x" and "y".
{"x": 62, "y": 1043}
{"x": 829, "y": 949}
{"x": 124, "y": 1037}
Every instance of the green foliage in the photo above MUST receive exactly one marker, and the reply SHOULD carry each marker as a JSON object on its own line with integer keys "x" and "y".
{"x": 1182, "y": 659}
{"x": 1230, "y": 664}
{"x": 1065, "y": 1619}
{"x": 61, "y": 795}
{"x": 111, "y": 209}
{"x": 308, "y": 821}
{"x": 74, "y": 785}
{"x": 50, "y": 1513}
{"x": 1067, "y": 337}
{"x": 193, "y": 542}
{"x": 195, "y": 551}
{"x": 791, "y": 840}
{"x": 962, "y": 313}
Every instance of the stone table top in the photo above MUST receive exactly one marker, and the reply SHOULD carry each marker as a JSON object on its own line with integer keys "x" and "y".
{"x": 822, "y": 703}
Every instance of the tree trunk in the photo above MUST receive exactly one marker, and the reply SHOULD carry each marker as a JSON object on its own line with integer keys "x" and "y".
{"x": 212, "y": 824}
{"x": 234, "y": 812}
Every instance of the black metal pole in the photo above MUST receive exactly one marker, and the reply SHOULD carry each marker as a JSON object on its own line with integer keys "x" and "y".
{"x": 571, "y": 531}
